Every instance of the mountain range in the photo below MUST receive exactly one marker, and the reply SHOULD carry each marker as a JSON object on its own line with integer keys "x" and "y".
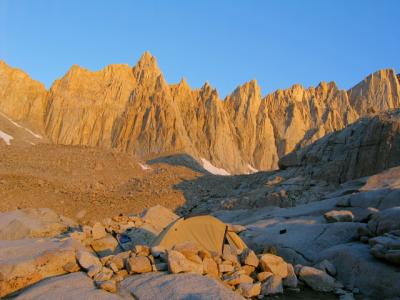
{"x": 134, "y": 110}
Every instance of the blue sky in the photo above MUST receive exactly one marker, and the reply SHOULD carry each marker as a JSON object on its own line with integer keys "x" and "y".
{"x": 227, "y": 43}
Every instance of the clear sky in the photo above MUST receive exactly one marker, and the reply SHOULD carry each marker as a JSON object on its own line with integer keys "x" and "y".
{"x": 227, "y": 43}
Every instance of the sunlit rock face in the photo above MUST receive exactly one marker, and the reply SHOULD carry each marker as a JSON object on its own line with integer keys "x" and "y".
{"x": 135, "y": 110}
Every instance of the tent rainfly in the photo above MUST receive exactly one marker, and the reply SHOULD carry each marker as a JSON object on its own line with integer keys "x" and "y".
{"x": 207, "y": 232}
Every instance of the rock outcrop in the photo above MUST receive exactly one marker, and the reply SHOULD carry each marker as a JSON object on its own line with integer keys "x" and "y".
{"x": 363, "y": 254}
{"x": 27, "y": 261}
{"x": 71, "y": 286}
{"x": 364, "y": 148}
{"x": 378, "y": 92}
{"x": 134, "y": 110}
{"x": 22, "y": 98}
{"x": 176, "y": 286}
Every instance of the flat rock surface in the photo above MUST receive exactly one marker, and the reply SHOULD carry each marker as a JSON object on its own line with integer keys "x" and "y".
{"x": 357, "y": 268}
{"x": 176, "y": 286}
{"x": 24, "y": 262}
{"x": 67, "y": 287}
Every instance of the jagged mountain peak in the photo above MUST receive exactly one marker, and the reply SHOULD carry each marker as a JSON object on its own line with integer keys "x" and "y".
{"x": 147, "y": 62}
{"x": 133, "y": 109}
{"x": 379, "y": 91}
{"x": 331, "y": 85}
{"x": 183, "y": 85}
{"x": 250, "y": 88}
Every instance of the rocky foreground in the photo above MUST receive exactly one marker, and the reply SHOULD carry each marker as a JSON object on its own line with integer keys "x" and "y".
{"x": 348, "y": 244}
{"x": 110, "y": 260}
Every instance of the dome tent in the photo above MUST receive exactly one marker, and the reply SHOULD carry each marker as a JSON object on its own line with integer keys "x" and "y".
{"x": 207, "y": 232}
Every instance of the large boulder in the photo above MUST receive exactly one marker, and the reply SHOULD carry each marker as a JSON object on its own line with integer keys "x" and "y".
{"x": 274, "y": 264}
{"x": 178, "y": 263}
{"x": 273, "y": 285}
{"x": 299, "y": 240}
{"x": 158, "y": 217}
{"x": 385, "y": 221}
{"x": 105, "y": 246}
{"x": 39, "y": 222}
{"x": 339, "y": 216}
{"x": 176, "y": 286}
{"x": 138, "y": 264}
{"x": 248, "y": 257}
{"x": 387, "y": 247}
{"x": 357, "y": 268}
{"x": 67, "y": 287}
{"x": 87, "y": 259}
{"x": 24, "y": 262}
{"x": 317, "y": 280}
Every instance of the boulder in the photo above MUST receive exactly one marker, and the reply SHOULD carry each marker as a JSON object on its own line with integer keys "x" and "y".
{"x": 274, "y": 264}
{"x": 138, "y": 264}
{"x": 250, "y": 290}
{"x": 87, "y": 259}
{"x": 273, "y": 285}
{"x": 304, "y": 238}
{"x": 24, "y": 262}
{"x": 105, "y": 246}
{"x": 248, "y": 269}
{"x": 177, "y": 286}
{"x": 339, "y": 216}
{"x": 93, "y": 271}
{"x": 34, "y": 223}
{"x": 119, "y": 259}
{"x": 236, "y": 279}
{"x": 158, "y": 217}
{"x": 317, "y": 280}
{"x": 225, "y": 268}
{"x": 363, "y": 214}
{"x": 262, "y": 276}
{"x": 210, "y": 267}
{"x": 67, "y": 287}
{"x": 108, "y": 285}
{"x": 386, "y": 247}
{"x": 71, "y": 267}
{"x": 248, "y": 257}
{"x": 103, "y": 275}
{"x": 178, "y": 263}
{"x": 291, "y": 279}
{"x": 142, "y": 250}
{"x": 357, "y": 268}
{"x": 120, "y": 275}
{"x": 385, "y": 221}
{"x": 326, "y": 266}
{"x": 98, "y": 231}
{"x": 229, "y": 254}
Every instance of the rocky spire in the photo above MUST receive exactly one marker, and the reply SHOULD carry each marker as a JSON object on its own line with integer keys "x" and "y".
{"x": 378, "y": 92}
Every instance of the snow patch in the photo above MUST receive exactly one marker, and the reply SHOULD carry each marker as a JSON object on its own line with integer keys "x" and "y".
{"x": 6, "y": 138}
{"x": 213, "y": 169}
{"x": 252, "y": 170}
{"x": 144, "y": 166}
{"x": 38, "y": 136}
